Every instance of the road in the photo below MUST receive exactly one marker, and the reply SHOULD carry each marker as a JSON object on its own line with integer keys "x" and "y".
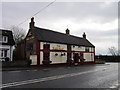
{"x": 82, "y": 76}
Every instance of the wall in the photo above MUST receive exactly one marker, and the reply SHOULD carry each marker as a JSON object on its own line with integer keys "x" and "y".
{"x": 78, "y": 48}
{"x": 58, "y": 58}
{"x": 61, "y": 49}
{"x": 53, "y": 58}
{"x": 9, "y": 51}
{"x": 20, "y": 51}
{"x": 89, "y": 56}
{"x": 58, "y": 46}
{"x": 34, "y": 59}
{"x": 41, "y": 57}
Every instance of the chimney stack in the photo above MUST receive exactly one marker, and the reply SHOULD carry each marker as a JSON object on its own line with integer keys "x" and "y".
{"x": 67, "y": 31}
{"x": 84, "y": 35}
{"x": 31, "y": 25}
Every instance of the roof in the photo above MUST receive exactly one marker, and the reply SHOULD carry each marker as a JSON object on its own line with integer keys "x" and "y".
{"x": 47, "y": 35}
{"x": 9, "y": 34}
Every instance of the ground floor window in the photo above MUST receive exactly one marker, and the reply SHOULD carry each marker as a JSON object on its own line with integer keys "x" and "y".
{"x": 4, "y": 53}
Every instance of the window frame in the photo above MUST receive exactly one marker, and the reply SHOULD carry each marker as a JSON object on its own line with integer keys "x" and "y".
{"x": 87, "y": 49}
{"x": 4, "y": 53}
{"x": 4, "y": 39}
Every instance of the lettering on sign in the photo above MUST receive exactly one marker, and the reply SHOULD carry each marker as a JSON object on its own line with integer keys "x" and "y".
{"x": 57, "y": 47}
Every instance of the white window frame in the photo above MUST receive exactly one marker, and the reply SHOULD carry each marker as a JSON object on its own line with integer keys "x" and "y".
{"x": 5, "y": 39}
{"x": 3, "y": 54}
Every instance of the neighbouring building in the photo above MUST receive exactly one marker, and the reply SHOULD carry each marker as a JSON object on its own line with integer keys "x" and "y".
{"x": 6, "y": 45}
{"x": 44, "y": 45}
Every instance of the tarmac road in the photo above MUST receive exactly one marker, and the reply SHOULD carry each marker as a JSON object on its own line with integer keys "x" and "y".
{"x": 82, "y": 76}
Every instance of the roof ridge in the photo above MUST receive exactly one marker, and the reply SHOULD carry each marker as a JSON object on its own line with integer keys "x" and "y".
{"x": 60, "y": 32}
{"x": 5, "y": 30}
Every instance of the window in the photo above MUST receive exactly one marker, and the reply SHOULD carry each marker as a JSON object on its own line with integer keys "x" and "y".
{"x": 79, "y": 46}
{"x": 4, "y": 39}
{"x": 4, "y": 53}
{"x": 73, "y": 46}
{"x": 87, "y": 49}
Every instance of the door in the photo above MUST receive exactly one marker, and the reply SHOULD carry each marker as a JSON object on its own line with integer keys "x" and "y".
{"x": 81, "y": 57}
{"x": 46, "y": 52}
{"x": 76, "y": 57}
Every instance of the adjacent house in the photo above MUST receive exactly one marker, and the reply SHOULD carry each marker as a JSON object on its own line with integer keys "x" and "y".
{"x": 48, "y": 46}
{"x": 6, "y": 45}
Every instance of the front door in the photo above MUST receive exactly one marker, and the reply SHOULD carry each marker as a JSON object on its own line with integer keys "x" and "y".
{"x": 76, "y": 57}
{"x": 81, "y": 56}
{"x": 46, "y": 52}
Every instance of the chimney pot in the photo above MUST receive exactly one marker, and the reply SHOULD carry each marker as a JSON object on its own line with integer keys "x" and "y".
{"x": 84, "y": 35}
{"x": 67, "y": 31}
{"x": 32, "y": 23}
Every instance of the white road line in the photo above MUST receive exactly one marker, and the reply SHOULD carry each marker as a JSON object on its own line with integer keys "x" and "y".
{"x": 45, "y": 79}
{"x": 34, "y": 70}
{"x": 45, "y": 69}
{"x": 115, "y": 86}
{"x": 28, "y": 70}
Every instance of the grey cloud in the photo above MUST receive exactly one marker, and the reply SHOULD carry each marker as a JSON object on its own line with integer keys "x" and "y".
{"x": 15, "y": 12}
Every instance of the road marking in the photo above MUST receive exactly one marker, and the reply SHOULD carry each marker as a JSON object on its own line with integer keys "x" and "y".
{"x": 45, "y": 79}
{"x": 34, "y": 70}
{"x": 28, "y": 70}
{"x": 115, "y": 86}
{"x": 45, "y": 69}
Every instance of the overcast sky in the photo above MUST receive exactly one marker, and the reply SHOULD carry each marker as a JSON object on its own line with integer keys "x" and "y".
{"x": 99, "y": 20}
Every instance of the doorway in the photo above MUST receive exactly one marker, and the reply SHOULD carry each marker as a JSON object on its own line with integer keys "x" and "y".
{"x": 46, "y": 52}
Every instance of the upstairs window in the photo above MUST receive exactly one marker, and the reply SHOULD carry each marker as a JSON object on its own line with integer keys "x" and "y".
{"x": 4, "y": 39}
{"x": 87, "y": 49}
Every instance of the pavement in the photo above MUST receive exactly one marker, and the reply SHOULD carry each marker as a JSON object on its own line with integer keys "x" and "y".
{"x": 42, "y": 67}
{"x": 29, "y": 68}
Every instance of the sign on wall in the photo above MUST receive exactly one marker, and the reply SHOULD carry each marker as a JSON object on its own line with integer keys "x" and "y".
{"x": 58, "y": 47}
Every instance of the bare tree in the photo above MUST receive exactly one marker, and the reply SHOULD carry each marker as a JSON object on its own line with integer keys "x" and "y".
{"x": 18, "y": 34}
{"x": 112, "y": 50}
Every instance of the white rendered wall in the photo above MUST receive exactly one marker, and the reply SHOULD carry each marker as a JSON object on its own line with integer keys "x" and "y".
{"x": 62, "y": 59}
{"x": 41, "y": 57}
{"x": 53, "y": 58}
{"x": 77, "y": 48}
{"x": 58, "y": 58}
{"x": 41, "y": 45}
{"x": 55, "y": 45}
{"x": 34, "y": 59}
{"x": 9, "y": 51}
{"x": 89, "y": 56}
{"x": 91, "y": 49}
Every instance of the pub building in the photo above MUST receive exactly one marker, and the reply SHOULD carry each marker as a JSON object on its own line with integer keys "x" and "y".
{"x": 44, "y": 46}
